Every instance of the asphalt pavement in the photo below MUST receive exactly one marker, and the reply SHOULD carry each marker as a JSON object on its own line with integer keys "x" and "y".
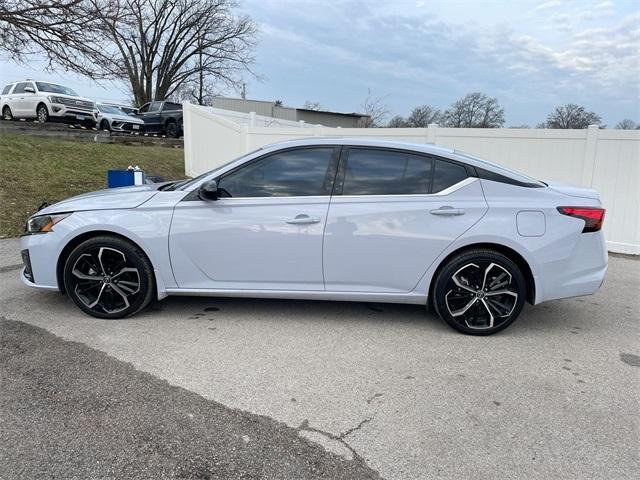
{"x": 299, "y": 389}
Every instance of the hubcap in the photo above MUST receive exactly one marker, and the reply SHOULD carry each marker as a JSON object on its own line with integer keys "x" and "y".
{"x": 104, "y": 282}
{"x": 481, "y": 295}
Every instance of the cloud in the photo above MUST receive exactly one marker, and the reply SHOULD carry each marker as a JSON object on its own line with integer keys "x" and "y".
{"x": 548, "y": 5}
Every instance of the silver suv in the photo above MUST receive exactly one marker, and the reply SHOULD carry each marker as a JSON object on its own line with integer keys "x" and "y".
{"x": 46, "y": 102}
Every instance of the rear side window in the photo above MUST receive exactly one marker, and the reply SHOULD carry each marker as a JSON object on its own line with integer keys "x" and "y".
{"x": 172, "y": 106}
{"x": 293, "y": 173}
{"x": 6, "y": 89}
{"x": 446, "y": 174}
{"x": 381, "y": 172}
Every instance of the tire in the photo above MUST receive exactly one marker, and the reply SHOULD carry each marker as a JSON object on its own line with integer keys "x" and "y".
{"x": 104, "y": 125}
{"x": 109, "y": 277}
{"x": 172, "y": 129}
{"x": 479, "y": 292}
{"x": 6, "y": 113}
{"x": 42, "y": 113}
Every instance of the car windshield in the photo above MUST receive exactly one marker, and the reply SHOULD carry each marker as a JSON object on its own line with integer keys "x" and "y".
{"x": 53, "y": 88}
{"x": 110, "y": 109}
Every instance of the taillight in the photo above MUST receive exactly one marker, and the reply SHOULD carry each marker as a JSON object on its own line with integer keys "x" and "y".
{"x": 593, "y": 217}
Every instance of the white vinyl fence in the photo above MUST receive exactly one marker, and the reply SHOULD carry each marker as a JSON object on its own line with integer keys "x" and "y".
{"x": 607, "y": 160}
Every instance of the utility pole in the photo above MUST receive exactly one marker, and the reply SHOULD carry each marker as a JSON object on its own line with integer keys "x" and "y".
{"x": 243, "y": 94}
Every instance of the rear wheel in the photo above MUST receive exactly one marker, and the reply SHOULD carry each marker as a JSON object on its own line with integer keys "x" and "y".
{"x": 479, "y": 292}
{"x": 6, "y": 113}
{"x": 172, "y": 129}
{"x": 109, "y": 277}
{"x": 42, "y": 113}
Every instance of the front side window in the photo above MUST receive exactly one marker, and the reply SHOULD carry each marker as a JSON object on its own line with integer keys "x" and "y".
{"x": 292, "y": 173}
{"x": 383, "y": 172}
{"x": 447, "y": 174}
{"x": 154, "y": 106}
{"x": 7, "y": 89}
{"x": 144, "y": 108}
{"x": 20, "y": 87}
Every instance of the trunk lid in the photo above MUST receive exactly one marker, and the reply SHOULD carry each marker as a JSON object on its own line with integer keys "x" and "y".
{"x": 574, "y": 191}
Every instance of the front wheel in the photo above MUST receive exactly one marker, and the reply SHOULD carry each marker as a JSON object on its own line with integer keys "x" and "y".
{"x": 42, "y": 113}
{"x": 109, "y": 277}
{"x": 479, "y": 292}
{"x": 104, "y": 125}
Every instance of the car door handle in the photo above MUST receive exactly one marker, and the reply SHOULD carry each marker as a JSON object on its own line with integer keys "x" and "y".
{"x": 447, "y": 211}
{"x": 303, "y": 219}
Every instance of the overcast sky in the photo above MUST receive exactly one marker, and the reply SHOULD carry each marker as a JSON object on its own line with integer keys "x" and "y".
{"x": 530, "y": 54}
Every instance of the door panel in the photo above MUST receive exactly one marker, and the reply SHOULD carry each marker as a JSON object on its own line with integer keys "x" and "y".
{"x": 249, "y": 243}
{"x": 385, "y": 243}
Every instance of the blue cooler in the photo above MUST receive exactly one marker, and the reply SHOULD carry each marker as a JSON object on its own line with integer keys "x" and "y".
{"x": 124, "y": 178}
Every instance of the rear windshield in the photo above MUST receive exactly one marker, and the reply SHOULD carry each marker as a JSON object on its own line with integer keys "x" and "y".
{"x": 53, "y": 88}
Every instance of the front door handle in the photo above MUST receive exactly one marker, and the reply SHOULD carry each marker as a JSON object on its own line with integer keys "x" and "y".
{"x": 447, "y": 211}
{"x": 303, "y": 219}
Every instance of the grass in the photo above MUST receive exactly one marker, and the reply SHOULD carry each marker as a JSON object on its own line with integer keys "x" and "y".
{"x": 35, "y": 169}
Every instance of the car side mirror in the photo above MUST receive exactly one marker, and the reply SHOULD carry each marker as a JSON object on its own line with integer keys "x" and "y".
{"x": 208, "y": 190}
{"x": 29, "y": 90}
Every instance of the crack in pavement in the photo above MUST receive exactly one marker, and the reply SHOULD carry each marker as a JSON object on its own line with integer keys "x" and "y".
{"x": 305, "y": 427}
{"x": 11, "y": 268}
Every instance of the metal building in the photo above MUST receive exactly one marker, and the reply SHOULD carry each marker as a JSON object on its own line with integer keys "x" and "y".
{"x": 271, "y": 109}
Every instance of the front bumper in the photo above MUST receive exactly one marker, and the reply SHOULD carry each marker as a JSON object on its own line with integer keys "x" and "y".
{"x": 71, "y": 115}
{"x": 129, "y": 127}
{"x": 39, "y": 256}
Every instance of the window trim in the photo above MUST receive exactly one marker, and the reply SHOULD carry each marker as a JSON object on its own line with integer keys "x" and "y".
{"x": 344, "y": 156}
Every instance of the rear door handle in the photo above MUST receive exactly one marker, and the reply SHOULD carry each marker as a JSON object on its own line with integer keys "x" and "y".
{"x": 447, "y": 211}
{"x": 303, "y": 219}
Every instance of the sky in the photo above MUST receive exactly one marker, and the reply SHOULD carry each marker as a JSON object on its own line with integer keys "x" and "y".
{"x": 533, "y": 55}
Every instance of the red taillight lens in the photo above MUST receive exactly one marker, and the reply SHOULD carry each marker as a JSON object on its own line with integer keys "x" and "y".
{"x": 593, "y": 217}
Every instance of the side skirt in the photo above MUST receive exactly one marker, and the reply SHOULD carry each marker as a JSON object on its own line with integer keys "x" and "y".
{"x": 410, "y": 298}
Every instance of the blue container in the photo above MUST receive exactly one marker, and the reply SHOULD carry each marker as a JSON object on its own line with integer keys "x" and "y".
{"x": 120, "y": 178}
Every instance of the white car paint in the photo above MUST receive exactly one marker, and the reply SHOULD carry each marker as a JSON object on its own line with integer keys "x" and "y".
{"x": 352, "y": 247}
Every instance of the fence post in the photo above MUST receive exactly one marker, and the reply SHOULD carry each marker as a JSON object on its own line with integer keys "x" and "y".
{"x": 591, "y": 146}
{"x": 432, "y": 133}
{"x": 245, "y": 138}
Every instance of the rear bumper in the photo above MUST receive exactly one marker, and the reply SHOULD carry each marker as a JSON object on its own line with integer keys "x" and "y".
{"x": 581, "y": 273}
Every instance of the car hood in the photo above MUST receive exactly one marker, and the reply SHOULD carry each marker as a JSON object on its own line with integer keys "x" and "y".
{"x": 574, "y": 191}
{"x": 69, "y": 97}
{"x": 109, "y": 199}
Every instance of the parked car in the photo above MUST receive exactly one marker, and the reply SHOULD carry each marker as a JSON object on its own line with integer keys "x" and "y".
{"x": 328, "y": 219}
{"x": 164, "y": 118}
{"x": 114, "y": 119}
{"x": 46, "y": 102}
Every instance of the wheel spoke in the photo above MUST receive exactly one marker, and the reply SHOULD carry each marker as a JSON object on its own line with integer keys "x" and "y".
{"x": 122, "y": 294}
{"x": 463, "y": 310}
{"x": 464, "y": 284}
{"x": 84, "y": 276}
{"x": 502, "y": 292}
{"x": 489, "y": 312}
{"x": 95, "y": 302}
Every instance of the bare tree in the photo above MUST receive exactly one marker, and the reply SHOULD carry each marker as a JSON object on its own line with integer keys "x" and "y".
{"x": 571, "y": 116}
{"x": 375, "y": 109}
{"x": 157, "y": 46}
{"x": 475, "y": 110}
{"x": 627, "y": 124}
{"x": 423, "y": 115}
{"x": 397, "y": 122}
{"x": 58, "y": 30}
{"x": 310, "y": 105}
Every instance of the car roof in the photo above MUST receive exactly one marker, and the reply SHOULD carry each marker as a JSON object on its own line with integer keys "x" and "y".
{"x": 427, "y": 148}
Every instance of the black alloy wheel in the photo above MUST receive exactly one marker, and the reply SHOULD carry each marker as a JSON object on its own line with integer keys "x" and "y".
{"x": 479, "y": 292}
{"x": 109, "y": 277}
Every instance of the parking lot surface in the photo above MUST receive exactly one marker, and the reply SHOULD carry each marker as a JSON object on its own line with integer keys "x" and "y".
{"x": 298, "y": 389}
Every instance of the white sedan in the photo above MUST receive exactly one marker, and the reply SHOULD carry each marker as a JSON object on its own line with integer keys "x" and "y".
{"x": 328, "y": 219}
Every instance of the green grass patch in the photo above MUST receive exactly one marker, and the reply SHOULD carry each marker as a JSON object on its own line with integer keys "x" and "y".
{"x": 35, "y": 169}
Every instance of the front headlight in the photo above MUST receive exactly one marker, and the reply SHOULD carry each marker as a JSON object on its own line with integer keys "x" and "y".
{"x": 53, "y": 99}
{"x": 43, "y": 223}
